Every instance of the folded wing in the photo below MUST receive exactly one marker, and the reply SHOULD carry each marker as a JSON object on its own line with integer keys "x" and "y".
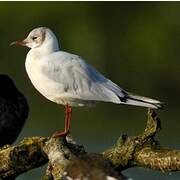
{"x": 81, "y": 81}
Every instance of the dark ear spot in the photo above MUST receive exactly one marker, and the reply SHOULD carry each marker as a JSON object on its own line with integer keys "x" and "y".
{"x": 43, "y": 35}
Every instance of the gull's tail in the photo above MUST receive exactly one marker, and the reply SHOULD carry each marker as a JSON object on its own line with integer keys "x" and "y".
{"x": 136, "y": 100}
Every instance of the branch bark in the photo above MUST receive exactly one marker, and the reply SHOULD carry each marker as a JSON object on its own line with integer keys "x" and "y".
{"x": 66, "y": 159}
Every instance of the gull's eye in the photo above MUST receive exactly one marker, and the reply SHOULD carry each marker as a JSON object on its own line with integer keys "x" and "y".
{"x": 34, "y": 38}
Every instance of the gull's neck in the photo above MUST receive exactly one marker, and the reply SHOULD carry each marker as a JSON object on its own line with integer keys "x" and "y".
{"x": 48, "y": 47}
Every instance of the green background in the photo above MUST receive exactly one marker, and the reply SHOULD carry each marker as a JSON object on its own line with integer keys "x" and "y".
{"x": 135, "y": 44}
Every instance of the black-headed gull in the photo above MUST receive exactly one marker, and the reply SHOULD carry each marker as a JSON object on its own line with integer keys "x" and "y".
{"x": 67, "y": 79}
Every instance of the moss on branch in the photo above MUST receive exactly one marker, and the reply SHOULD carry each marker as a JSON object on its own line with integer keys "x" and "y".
{"x": 27, "y": 155}
{"x": 143, "y": 150}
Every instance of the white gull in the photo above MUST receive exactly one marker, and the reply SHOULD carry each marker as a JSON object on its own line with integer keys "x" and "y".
{"x": 67, "y": 79}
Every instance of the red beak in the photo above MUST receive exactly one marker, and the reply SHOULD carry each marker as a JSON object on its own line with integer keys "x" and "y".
{"x": 19, "y": 43}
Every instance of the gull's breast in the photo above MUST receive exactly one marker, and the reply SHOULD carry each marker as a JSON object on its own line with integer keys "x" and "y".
{"x": 47, "y": 87}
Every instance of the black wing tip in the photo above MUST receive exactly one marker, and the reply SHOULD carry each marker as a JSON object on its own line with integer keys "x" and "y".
{"x": 158, "y": 105}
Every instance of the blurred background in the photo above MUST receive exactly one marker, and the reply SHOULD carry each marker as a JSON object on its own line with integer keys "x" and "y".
{"x": 135, "y": 44}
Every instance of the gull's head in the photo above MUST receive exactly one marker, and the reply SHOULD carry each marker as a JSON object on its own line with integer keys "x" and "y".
{"x": 41, "y": 37}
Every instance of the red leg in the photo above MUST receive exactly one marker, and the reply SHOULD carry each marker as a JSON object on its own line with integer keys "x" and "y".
{"x": 68, "y": 118}
{"x": 68, "y": 112}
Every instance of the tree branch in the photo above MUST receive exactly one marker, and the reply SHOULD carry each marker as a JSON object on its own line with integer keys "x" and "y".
{"x": 67, "y": 159}
{"x": 143, "y": 150}
{"x": 27, "y": 155}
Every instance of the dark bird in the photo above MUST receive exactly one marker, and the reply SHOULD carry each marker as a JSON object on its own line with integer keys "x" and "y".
{"x": 13, "y": 111}
{"x": 92, "y": 167}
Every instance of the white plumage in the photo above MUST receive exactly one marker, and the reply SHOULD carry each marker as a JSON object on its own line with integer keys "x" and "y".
{"x": 67, "y": 79}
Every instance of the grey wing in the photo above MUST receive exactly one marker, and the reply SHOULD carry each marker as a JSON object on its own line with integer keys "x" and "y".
{"x": 81, "y": 80}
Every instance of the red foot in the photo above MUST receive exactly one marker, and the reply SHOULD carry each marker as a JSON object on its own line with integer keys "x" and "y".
{"x": 68, "y": 111}
{"x": 60, "y": 134}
